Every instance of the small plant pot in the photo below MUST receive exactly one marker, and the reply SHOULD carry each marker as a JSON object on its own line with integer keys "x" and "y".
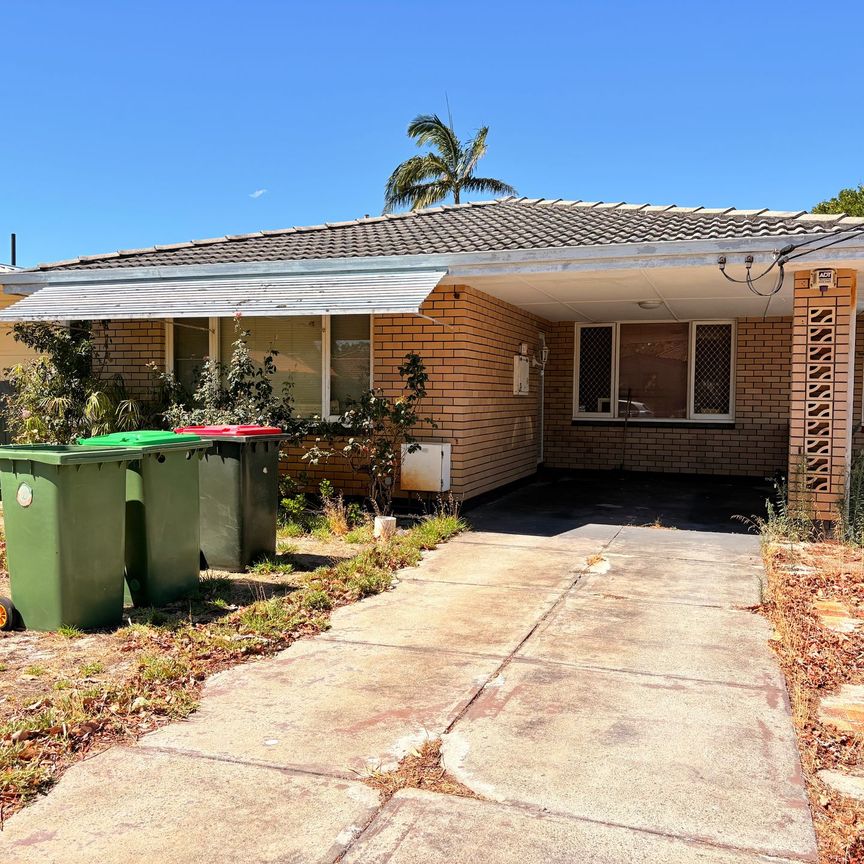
{"x": 385, "y": 527}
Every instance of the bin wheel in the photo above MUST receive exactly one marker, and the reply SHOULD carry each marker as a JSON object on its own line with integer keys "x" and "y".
{"x": 7, "y": 614}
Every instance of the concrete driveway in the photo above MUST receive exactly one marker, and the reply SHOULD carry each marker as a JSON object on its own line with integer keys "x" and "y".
{"x": 602, "y": 686}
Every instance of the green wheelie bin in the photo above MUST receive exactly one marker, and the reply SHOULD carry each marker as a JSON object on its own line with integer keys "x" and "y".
{"x": 162, "y": 523}
{"x": 239, "y": 493}
{"x": 63, "y": 509}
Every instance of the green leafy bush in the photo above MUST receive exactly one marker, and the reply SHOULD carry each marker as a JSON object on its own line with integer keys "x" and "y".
{"x": 62, "y": 394}
{"x": 376, "y": 427}
{"x": 239, "y": 391}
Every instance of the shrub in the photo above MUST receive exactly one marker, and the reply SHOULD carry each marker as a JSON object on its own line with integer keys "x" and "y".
{"x": 376, "y": 428}
{"x": 238, "y": 391}
{"x": 61, "y": 395}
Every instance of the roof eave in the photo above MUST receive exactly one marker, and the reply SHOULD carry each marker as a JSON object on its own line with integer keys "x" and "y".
{"x": 677, "y": 253}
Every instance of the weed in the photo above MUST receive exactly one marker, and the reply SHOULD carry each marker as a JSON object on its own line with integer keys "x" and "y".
{"x": 212, "y": 587}
{"x": 850, "y": 525}
{"x": 3, "y": 667}
{"x": 68, "y": 632}
{"x": 36, "y": 670}
{"x": 360, "y": 534}
{"x": 448, "y": 505}
{"x": 89, "y": 669}
{"x": 293, "y": 509}
{"x": 290, "y": 528}
{"x": 336, "y": 514}
{"x": 789, "y": 518}
{"x": 270, "y": 566}
{"x": 419, "y": 769}
{"x": 434, "y": 529}
{"x": 315, "y": 599}
{"x": 268, "y": 617}
{"x": 158, "y": 667}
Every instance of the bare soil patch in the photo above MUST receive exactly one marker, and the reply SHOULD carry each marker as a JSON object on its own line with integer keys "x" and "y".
{"x": 420, "y": 769}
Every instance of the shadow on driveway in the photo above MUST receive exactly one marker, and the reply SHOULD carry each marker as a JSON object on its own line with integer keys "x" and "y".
{"x": 557, "y": 503}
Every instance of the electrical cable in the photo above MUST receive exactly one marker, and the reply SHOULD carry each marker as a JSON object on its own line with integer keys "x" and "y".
{"x": 783, "y": 256}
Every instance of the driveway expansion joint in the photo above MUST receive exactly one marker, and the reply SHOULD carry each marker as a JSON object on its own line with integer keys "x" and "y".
{"x": 578, "y": 575}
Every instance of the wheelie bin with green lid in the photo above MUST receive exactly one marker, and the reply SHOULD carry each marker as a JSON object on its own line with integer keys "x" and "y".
{"x": 64, "y": 514}
{"x": 239, "y": 493}
{"x": 162, "y": 522}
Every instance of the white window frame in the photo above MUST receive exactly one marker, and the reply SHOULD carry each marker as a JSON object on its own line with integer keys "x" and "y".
{"x": 691, "y": 376}
{"x": 325, "y": 363}
{"x": 214, "y": 352}
{"x": 212, "y": 347}
{"x": 613, "y": 398}
{"x": 692, "y": 417}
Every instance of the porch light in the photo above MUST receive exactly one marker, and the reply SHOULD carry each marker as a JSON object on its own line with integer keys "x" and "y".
{"x": 650, "y": 304}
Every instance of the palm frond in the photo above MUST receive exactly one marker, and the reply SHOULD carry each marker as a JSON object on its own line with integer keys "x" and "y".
{"x": 474, "y": 152}
{"x": 431, "y": 129}
{"x": 425, "y": 194}
{"x": 488, "y": 184}
{"x": 417, "y": 169}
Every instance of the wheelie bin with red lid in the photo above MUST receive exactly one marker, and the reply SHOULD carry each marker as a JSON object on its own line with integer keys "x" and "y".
{"x": 239, "y": 489}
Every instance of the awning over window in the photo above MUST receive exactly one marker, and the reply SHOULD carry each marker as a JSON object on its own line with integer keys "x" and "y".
{"x": 389, "y": 292}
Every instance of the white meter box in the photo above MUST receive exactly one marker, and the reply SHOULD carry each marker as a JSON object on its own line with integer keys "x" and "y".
{"x": 427, "y": 469}
{"x": 521, "y": 375}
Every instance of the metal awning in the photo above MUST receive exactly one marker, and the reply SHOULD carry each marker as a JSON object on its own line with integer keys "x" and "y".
{"x": 367, "y": 293}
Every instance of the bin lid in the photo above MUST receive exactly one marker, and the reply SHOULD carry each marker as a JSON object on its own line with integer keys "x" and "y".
{"x": 155, "y": 439}
{"x": 67, "y": 454}
{"x": 230, "y": 431}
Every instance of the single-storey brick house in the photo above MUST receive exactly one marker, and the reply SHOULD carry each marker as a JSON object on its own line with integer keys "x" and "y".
{"x": 573, "y": 334}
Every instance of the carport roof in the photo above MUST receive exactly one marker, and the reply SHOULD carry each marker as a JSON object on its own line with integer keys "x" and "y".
{"x": 485, "y": 226}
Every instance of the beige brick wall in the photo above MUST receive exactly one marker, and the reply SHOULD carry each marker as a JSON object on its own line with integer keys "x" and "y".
{"x": 822, "y": 390}
{"x": 757, "y": 445}
{"x": 129, "y": 347}
{"x": 468, "y": 350}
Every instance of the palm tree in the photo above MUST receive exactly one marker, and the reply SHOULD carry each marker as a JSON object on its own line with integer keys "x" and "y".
{"x": 422, "y": 181}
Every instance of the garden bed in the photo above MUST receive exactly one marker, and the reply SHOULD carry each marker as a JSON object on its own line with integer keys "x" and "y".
{"x": 66, "y": 695}
{"x": 815, "y": 600}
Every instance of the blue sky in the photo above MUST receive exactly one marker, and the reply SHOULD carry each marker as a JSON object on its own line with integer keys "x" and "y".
{"x": 127, "y": 124}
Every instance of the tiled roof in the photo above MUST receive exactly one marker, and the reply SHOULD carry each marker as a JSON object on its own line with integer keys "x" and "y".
{"x": 485, "y": 226}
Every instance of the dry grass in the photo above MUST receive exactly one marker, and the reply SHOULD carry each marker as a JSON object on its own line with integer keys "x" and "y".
{"x": 817, "y": 661}
{"x": 420, "y": 769}
{"x": 62, "y": 697}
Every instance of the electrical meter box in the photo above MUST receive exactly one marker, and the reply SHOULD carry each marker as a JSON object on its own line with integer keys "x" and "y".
{"x": 427, "y": 469}
{"x": 521, "y": 375}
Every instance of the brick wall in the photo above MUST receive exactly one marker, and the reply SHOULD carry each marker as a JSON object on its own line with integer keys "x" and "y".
{"x": 822, "y": 391}
{"x": 757, "y": 445}
{"x": 468, "y": 350}
{"x": 130, "y": 346}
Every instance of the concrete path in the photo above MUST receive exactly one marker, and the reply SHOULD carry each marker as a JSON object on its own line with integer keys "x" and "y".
{"x": 623, "y": 710}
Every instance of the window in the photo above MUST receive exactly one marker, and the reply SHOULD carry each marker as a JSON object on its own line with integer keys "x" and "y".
{"x": 307, "y": 345}
{"x": 190, "y": 341}
{"x": 299, "y": 342}
{"x": 350, "y": 360}
{"x": 654, "y": 371}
